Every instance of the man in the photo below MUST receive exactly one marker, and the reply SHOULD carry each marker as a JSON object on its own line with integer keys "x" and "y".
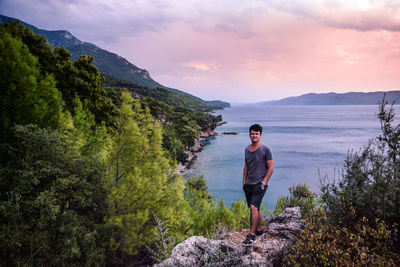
{"x": 258, "y": 168}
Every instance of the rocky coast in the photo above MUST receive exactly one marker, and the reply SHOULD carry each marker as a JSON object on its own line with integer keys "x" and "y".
{"x": 192, "y": 151}
{"x": 198, "y": 147}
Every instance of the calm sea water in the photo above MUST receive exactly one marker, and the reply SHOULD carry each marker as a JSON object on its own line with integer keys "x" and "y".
{"x": 308, "y": 142}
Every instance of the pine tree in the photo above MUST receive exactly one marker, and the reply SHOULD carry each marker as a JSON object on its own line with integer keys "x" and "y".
{"x": 139, "y": 181}
{"x": 26, "y": 95}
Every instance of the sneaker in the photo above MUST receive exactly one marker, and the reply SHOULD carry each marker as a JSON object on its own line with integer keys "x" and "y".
{"x": 250, "y": 240}
{"x": 259, "y": 233}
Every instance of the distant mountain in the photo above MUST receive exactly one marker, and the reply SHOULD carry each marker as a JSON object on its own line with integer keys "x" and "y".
{"x": 352, "y": 98}
{"x": 107, "y": 62}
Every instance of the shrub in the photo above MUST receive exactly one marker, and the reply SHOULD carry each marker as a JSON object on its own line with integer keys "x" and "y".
{"x": 207, "y": 217}
{"x": 325, "y": 244}
{"x": 300, "y": 196}
{"x": 51, "y": 207}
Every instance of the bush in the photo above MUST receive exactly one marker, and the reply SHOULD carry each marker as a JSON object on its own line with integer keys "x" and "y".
{"x": 300, "y": 196}
{"x": 325, "y": 244}
{"x": 209, "y": 219}
{"x": 51, "y": 207}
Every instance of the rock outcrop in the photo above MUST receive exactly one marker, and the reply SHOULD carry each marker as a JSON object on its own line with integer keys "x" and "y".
{"x": 280, "y": 233}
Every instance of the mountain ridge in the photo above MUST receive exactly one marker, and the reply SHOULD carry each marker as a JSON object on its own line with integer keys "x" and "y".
{"x": 350, "y": 98}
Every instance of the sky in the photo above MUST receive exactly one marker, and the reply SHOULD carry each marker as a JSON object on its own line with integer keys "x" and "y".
{"x": 235, "y": 50}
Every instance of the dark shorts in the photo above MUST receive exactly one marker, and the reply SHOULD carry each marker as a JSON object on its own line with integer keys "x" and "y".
{"x": 254, "y": 194}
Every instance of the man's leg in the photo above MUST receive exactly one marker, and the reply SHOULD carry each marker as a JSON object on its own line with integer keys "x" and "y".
{"x": 254, "y": 218}
{"x": 259, "y": 221}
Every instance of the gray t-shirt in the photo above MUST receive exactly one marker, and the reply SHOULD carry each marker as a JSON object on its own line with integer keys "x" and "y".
{"x": 257, "y": 163}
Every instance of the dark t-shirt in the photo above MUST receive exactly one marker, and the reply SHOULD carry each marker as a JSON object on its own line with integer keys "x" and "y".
{"x": 257, "y": 163}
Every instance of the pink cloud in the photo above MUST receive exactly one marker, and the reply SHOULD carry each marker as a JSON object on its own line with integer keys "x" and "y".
{"x": 362, "y": 15}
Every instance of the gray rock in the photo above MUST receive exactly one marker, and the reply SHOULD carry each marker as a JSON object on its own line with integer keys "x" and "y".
{"x": 269, "y": 249}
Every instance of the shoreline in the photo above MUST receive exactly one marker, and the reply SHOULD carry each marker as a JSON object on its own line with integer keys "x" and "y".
{"x": 198, "y": 147}
{"x": 192, "y": 151}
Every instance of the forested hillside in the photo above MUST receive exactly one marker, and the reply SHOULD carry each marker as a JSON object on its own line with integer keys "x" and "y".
{"x": 87, "y": 173}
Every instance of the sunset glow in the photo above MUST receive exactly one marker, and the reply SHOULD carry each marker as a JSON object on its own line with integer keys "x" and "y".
{"x": 239, "y": 51}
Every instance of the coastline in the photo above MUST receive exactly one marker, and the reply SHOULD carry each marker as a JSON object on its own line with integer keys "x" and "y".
{"x": 198, "y": 147}
{"x": 192, "y": 151}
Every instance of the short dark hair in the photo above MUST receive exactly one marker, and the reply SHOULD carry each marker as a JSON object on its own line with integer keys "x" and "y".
{"x": 256, "y": 128}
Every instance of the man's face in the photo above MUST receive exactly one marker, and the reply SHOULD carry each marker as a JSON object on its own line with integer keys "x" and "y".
{"x": 255, "y": 136}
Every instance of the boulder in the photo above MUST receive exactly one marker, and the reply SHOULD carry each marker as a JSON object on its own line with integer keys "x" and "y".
{"x": 269, "y": 249}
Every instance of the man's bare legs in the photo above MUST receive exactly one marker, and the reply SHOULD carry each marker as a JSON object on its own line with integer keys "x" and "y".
{"x": 255, "y": 219}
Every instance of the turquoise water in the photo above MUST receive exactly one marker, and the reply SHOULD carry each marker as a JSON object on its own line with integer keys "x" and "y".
{"x": 308, "y": 142}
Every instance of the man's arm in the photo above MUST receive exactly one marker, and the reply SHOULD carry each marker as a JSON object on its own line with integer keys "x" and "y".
{"x": 244, "y": 172}
{"x": 270, "y": 165}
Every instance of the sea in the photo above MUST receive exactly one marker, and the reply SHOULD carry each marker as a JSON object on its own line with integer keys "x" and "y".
{"x": 309, "y": 143}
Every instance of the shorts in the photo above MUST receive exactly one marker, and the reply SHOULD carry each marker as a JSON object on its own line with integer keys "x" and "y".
{"x": 254, "y": 194}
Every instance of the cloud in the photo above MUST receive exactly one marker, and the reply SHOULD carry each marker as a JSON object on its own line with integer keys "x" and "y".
{"x": 199, "y": 65}
{"x": 114, "y": 18}
{"x": 361, "y": 15}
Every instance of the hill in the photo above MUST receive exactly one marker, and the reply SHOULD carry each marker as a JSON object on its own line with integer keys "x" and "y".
{"x": 352, "y": 98}
{"x": 160, "y": 94}
{"x": 107, "y": 62}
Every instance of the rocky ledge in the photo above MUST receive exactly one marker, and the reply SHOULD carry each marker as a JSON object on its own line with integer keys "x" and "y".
{"x": 280, "y": 232}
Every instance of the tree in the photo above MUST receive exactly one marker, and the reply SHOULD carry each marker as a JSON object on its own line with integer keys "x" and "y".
{"x": 51, "y": 205}
{"x": 80, "y": 78}
{"x": 26, "y": 95}
{"x": 91, "y": 92}
{"x": 139, "y": 181}
{"x": 37, "y": 45}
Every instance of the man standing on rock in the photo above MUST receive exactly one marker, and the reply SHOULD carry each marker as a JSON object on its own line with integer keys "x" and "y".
{"x": 258, "y": 168}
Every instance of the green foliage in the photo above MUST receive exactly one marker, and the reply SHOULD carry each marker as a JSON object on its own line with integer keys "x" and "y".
{"x": 217, "y": 104}
{"x": 90, "y": 90}
{"x": 81, "y": 79}
{"x": 160, "y": 94}
{"x": 55, "y": 69}
{"x": 37, "y": 45}
{"x": 163, "y": 244}
{"x": 182, "y": 126}
{"x": 300, "y": 196}
{"x": 336, "y": 245}
{"x": 51, "y": 207}
{"x": 83, "y": 133}
{"x": 26, "y": 95}
{"x": 138, "y": 180}
{"x": 173, "y": 145}
{"x": 183, "y": 117}
{"x": 206, "y": 217}
{"x": 371, "y": 180}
